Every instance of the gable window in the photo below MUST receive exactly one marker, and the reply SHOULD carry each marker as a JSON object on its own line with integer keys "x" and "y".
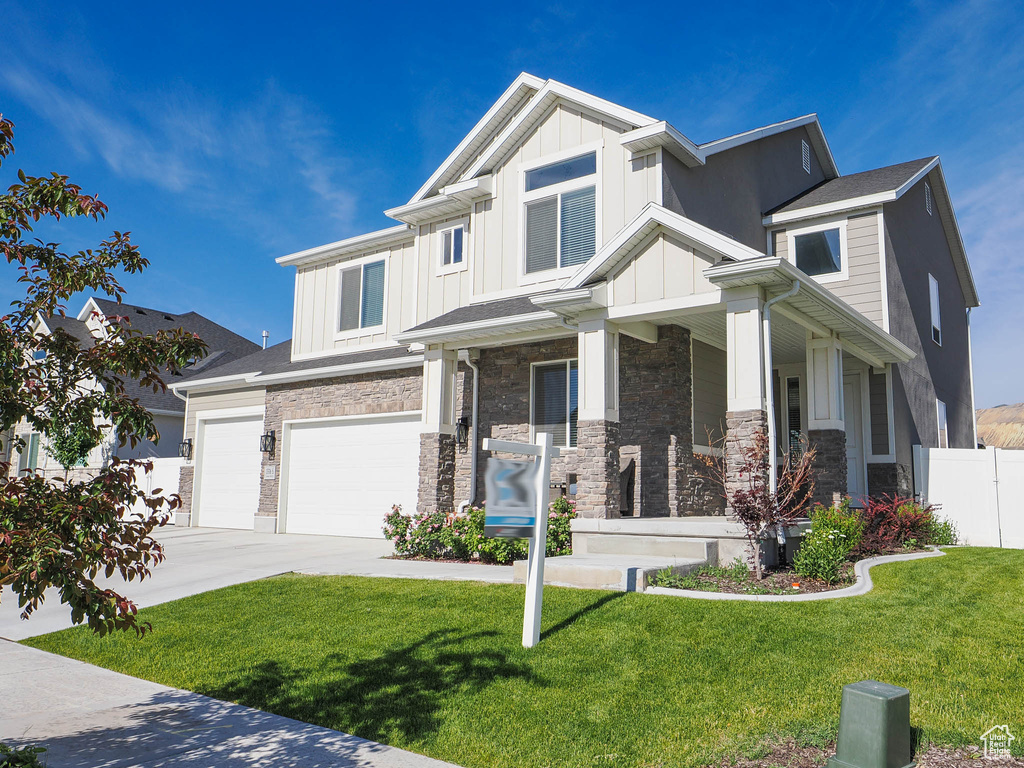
{"x": 555, "y": 406}
{"x": 933, "y": 301}
{"x": 560, "y": 213}
{"x": 928, "y": 197}
{"x": 805, "y": 155}
{"x": 361, "y": 292}
{"x": 940, "y": 412}
{"x": 452, "y": 248}
{"x": 819, "y": 253}
{"x": 39, "y": 354}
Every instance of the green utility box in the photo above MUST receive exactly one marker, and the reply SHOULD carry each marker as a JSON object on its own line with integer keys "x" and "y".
{"x": 874, "y": 727}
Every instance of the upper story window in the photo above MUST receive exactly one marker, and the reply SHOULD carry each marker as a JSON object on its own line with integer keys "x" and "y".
{"x": 39, "y": 354}
{"x": 451, "y": 248}
{"x": 555, "y": 406}
{"x": 560, "y": 212}
{"x": 819, "y": 252}
{"x": 933, "y": 301}
{"x": 361, "y": 296}
{"x": 805, "y": 155}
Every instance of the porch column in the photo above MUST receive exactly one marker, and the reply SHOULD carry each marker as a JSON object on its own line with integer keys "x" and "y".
{"x": 597, "y": 432}
{"x": 437, "y": 441}
{"x": 746, "y": 416}
{"x": 826, "y": 427}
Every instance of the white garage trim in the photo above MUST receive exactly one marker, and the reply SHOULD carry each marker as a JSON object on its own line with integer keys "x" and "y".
{"x": 286, "y": 446}
{"x": 202, "y": 418}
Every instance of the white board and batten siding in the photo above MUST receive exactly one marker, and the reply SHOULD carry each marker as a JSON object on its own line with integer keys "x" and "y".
{"x": 625, "y": 186}
{"x": 317, "y": 313}
{"x": 709, "y": 392}
{"x": 862, "y": 290}
{"x": 436, "y": 292}
{"x": 664, "y": 268}
{"x": 221, "y": 400}
{"x": 341, "y": 475}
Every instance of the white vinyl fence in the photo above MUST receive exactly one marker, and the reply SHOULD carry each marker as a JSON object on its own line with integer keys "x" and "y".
{"x": 165, "y": 475}
{"x": 981, "y": 491}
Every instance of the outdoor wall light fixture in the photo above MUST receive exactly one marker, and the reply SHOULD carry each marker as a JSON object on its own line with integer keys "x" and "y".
{"x": 267, "y": 442}
{"x": 462, "y": 433}
{"x": 185, "y": 449}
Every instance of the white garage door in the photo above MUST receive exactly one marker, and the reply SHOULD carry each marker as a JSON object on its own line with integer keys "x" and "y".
{"x": 343, "y": 477}
{"x": 229, "y": 472}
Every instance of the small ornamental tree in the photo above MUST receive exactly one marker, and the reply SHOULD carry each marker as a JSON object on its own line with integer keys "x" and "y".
{"x": 61, "y": 533}
{"x": 763, "y": 513}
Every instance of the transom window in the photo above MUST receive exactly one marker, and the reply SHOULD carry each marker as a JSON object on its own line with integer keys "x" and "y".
{"x": 361, "y": 296}
{"x": 819, "y": 253}
{"x": 561, "y": 216}
{"x": 452, "y": 249}
{"x": 555, "y": 407}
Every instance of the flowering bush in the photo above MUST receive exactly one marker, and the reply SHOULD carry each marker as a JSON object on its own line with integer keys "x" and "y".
{"x": 454, "y": 536}
{"x": 835, "y": 533}
{"x": 892, "y": 523}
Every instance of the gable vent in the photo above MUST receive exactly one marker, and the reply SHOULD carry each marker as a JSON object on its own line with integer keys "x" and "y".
{"x": 805, "y": 151}
{"x": 928, "y": 197}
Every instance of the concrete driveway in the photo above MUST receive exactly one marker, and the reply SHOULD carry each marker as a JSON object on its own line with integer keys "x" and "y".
{"x": 201, "y": 559}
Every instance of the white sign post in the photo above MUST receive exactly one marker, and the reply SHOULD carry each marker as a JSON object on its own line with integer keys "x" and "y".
{"x": 544, "y": 451}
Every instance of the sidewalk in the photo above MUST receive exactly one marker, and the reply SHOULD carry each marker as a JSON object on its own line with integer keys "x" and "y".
{"x": 88, "y": 717}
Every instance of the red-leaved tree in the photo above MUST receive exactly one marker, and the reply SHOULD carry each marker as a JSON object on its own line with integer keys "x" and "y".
{"x": 67, "y": 533}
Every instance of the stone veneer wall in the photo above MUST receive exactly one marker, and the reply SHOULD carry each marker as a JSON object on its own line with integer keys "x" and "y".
{"x": 597, "y": 462}
{"x": 740, "y": 429}
{"x": 890, "y": 478}
{"x": 829, "y": 463}
{"x": 656, "y": 420}
{"x": 368, "y": 393}
{"x": 437, "y": 473}
{"x": 186, "y": 477}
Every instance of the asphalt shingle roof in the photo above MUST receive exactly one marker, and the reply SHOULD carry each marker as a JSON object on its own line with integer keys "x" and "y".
{"x": 474, "y": 313}
{"x": 855, "y": 185}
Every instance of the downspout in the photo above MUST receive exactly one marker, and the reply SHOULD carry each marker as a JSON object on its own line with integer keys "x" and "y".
{"x": 465, "y": 357}
{"x": 769, "y": 394}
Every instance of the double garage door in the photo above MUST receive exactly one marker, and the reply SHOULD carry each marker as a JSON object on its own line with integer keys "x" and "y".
{"x": 337, "y": 477}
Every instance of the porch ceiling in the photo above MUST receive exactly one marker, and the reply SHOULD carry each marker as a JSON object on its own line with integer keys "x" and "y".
{"x": 789, "y": 339}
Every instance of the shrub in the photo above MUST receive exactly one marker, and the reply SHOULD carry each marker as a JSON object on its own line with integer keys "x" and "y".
{"x": 893, "y": 522}
{"x": 835, "y": 533}
{"x": 943, "y": 533}
{"x": 26, "y": 757}
{"x": 453, "y": 536}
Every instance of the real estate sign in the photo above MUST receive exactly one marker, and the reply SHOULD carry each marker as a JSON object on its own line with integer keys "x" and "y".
{"x": 511, "y": 498}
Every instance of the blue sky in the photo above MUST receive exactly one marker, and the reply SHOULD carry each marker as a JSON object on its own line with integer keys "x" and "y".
{"x": 224, "y": 135}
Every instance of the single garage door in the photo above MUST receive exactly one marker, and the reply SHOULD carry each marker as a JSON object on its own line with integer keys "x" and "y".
{"x": 344, "y": 476}
{"x": 229, "y": 472}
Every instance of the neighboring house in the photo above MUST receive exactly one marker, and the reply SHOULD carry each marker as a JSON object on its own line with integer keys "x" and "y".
{"x": 168, "y": 409}
{"x": 1001, "y": 426}
{"x": 579, "y": 268}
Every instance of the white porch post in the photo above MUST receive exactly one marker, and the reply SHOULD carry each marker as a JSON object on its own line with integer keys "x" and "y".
{"x": 826, "y": 424}
{"x": 597, "y": 434}
{"x": 437, "y": 441}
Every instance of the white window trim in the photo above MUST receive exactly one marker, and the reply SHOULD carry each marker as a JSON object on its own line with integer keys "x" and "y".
{"x": 844, "y": 257}
{"x": 591, "y": 180}
{"x": 448, "y": 226}
{"x": 566, "y": 361}
{"x": 934, "y": 310}
{"x": 340, "y": 335}
{"x": 938, "y": 423}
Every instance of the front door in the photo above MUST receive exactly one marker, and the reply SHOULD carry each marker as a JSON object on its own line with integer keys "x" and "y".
{"x": 856, "y": 469}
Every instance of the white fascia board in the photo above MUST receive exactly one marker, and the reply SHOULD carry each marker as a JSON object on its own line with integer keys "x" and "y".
{"x": 576, "y": 298}
{"x": 88, "y": 308}
{"x": 811, "y": 120}
{"x": 215, "y": 382}
{"x": 916, "y": 177}
{"x": 378, "y": 239}
{"x": 524, "y": 81}
{"x": 661, "y": 134}
{"x": 451, "y": 200}
{"x": 470, "y": 189}
{"x": 948, "y": 217}
{"x": 654, "y": 215}
{"x": 552, "y": 92}
{"x": 349, "y": 369}
{"x": 480, "y": 327}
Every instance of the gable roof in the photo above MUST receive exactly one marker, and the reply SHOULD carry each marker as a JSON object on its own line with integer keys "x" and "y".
{"x": 76, "y": 328}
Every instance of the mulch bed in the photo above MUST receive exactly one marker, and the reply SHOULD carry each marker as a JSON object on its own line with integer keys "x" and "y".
{"x": 789, "y": 754}
{"x": 785, "y": 582}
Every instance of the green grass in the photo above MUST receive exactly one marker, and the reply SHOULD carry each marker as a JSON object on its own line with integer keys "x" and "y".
{"x": 618, "y": 680}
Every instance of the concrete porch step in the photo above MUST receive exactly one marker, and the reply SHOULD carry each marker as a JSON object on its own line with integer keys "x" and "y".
{"x": 619, "y": 572}
{"x": 648, "y": 545}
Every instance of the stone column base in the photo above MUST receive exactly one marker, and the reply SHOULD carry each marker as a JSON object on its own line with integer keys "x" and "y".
{"x": 741, "y": 429}
{"x": 892, "y": 479}
{"x": 437, "y": 473}
{"x": 597, "y": 459}
{"x": 186, "y": 477}
{"x": 829, "y": 463}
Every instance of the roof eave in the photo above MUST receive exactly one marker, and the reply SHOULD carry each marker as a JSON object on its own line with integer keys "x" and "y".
{"x": 360, "y": 243}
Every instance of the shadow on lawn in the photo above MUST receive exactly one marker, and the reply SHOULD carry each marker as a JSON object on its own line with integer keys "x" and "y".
{"x": 568, "y": 621}
{"x": 398, "y": 693}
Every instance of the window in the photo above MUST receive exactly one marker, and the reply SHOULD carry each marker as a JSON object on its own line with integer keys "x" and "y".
{"x": 933, "y": 300}
{"x": 928, "y": 197}
{"x": 940, "y": 408}
{"x": 361, "y": 293}
{"x": 556, "y": 401}
{"x": 805, "y": 155}
{"x": 452, "y": 248}
{"x": 793, "y": 415}
{"x": 561, "y": 216}
{"x": 819, "y": 253}
{"x": 39, "y": 354}
{"x": 29, "y": 458}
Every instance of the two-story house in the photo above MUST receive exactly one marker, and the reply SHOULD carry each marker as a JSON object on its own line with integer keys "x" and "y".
{"x": 579, "y": 268}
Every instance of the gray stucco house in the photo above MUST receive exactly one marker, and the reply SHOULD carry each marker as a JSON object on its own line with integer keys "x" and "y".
{"x": 580, "y": 268}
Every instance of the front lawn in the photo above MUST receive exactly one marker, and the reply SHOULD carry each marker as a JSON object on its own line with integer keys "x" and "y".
{"x": 618, "y": 680}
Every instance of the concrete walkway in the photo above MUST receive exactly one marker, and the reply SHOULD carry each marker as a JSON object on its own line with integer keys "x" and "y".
{"x": 201, "y": 559}
{"x": 88, "y": 717}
